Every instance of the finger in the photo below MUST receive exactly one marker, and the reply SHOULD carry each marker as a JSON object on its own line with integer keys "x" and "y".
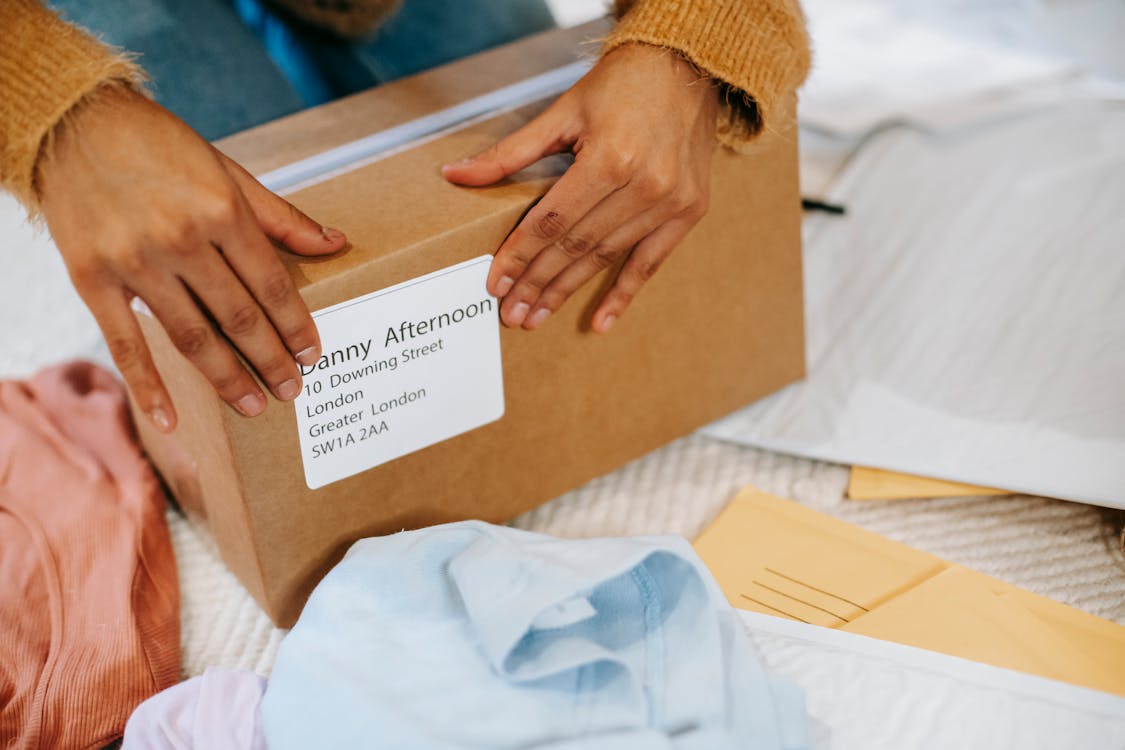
{"x": 196, "y": 338}
{"x": 606, "y": 254}
{"x": 586, "y": 184}
{"x": 623, "y": 210}
{"x": 281, "y": 220}
{"x": 110, "y": 307}
{"x": 255, "y": 262}
{"x": 541, "y": 137}
{"x": 642, "y": 265}
{"x": 244, "y": 323}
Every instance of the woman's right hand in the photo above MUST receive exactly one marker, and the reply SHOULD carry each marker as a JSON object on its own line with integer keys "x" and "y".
{"x": 141, "y": 206}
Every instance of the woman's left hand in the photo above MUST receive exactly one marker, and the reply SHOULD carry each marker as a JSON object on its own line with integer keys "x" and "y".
{"x": 641, "y": 124}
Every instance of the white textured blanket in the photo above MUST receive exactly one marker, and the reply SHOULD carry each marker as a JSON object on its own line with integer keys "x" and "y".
{"x": 1062, "y": 550}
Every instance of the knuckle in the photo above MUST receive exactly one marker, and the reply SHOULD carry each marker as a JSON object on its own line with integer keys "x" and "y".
{"x": 295, "y": 214}
{"x": 699, "y": 208}
{"x": 128, "y": 352}
{"x": 86, "y": 276}
{"x": 294, "y": 219}
{"x": 275, "y": 368}
{"x": 130, "y": 261}
{"x": 492, "y": 153}
{"x": 683, "y": 201}
{"x": 574, "y": 246}
{"x": 298, "y": 337}
{"x": 529, "y": 287}
{"x": 276, "y": 289}
{"x": 604, "y": 256}
{"x": 243, "y": 320}
{"x": 512, "y": 261}
{"x": 219, "y": 207}
{"x": 618, "y": 166}
{"x": 547, "y": 224}
{"x": 553, "y": 298}
{"x": 646, "y": 269}
{"x": 191, "y": 339}
{"x": 229, "y": 384}
{"x": 622, "y": 297}
{"x": 656, "y": 186}
{"x": 177, "y": 235}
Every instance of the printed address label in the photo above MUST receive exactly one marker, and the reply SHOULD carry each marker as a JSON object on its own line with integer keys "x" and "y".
{"x": 402, "y": 368}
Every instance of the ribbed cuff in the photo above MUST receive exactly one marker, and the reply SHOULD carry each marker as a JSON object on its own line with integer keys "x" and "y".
{"x": 47, "y": 66}
{"x": 758, "y": 49}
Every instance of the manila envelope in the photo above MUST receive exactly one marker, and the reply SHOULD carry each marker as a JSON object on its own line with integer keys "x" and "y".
{"x": 866, "y": 483}
{"x": 777, "y": 557}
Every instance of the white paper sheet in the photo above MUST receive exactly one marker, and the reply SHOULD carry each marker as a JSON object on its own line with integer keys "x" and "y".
{"x": 872, "y": 694}
{"x": 44, "y": 319}
{"x": 876, "y": 63}
{"x": 966, "y": 319}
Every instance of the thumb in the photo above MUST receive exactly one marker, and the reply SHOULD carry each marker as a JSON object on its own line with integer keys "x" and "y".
{"x": 540, "y": 137}
{"x": 281, "y": 220}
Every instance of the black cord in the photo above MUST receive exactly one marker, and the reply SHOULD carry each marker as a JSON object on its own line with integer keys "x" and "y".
{"x": 812, "y": 204}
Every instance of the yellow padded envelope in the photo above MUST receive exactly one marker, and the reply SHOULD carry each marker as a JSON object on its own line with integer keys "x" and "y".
{"x": 775, "y": 556}
{"x": 865, "y": 483}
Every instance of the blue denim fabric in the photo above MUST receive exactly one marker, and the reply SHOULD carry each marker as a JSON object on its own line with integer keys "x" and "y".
{"x": 226, "y": 65}
{"x": 420, "y": 35}
{"x": 204, "y": 65}
{"x": 477, "y": 636}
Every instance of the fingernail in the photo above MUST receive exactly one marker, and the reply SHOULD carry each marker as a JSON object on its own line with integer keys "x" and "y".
{"x": 288, "y": 390}
{"x": 537, "y": 318}
{"x": 251, "y": 405}
{"x": 331, "y": 235}
{"x": 519, "y": 312}
{"x": 607, "y": 322}
{"x": 309, "y": 356}
{"x": 504, "y": 285}
{"x": 161, "y": 419}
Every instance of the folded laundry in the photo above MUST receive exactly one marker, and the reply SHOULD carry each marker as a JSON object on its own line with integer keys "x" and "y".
{"x": 218, "y": 710}
{"x": 470, "y": 635}
{"x": 89, "y": 603}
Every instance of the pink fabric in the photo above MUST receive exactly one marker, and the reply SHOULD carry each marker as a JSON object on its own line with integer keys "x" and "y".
{"x": 218, "y": 710}
{"x": 89, "y": 604}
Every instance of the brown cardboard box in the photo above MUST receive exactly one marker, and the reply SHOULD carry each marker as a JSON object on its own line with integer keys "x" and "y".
{"x": 718, "y": 327}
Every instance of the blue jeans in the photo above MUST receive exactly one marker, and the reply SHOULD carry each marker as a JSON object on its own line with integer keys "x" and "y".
{"x": 227, "y": 65}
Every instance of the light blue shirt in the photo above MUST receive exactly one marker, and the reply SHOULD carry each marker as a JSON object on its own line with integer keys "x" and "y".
{"x": 471, "y": 635}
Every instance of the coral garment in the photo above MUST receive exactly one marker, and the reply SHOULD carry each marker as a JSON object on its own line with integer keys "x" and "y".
{"x": 89, "y": 603}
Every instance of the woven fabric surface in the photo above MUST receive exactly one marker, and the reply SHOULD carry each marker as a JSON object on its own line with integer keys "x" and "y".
{"x": 1066, "y": 551}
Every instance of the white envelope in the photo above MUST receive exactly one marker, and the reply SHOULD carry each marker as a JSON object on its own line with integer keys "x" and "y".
{"x": 966, "y": 319}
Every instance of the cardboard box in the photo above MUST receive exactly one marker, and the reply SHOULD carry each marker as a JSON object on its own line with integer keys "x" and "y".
{"x": 718, "y": 327}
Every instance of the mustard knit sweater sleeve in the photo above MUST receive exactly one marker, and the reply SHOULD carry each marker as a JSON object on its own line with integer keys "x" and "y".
{"x": 46, "y": 67}
{"x": 756, "y": 48}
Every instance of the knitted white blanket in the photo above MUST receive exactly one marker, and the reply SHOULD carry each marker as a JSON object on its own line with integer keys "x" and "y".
{"x": 1062, "y": 550}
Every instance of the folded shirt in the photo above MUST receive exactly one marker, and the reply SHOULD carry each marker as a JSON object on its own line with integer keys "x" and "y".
{"x": 89, "y": 602}
{"x": 470, "y": 635}
{"x": 218, "y": 710}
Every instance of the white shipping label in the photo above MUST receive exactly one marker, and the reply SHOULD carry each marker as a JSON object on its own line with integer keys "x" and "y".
{"x": 402, "y": 368}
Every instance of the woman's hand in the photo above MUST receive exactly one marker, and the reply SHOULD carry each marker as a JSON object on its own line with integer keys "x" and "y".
{"x": 141, "y": 206}
{"x": 641, "y": 124}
